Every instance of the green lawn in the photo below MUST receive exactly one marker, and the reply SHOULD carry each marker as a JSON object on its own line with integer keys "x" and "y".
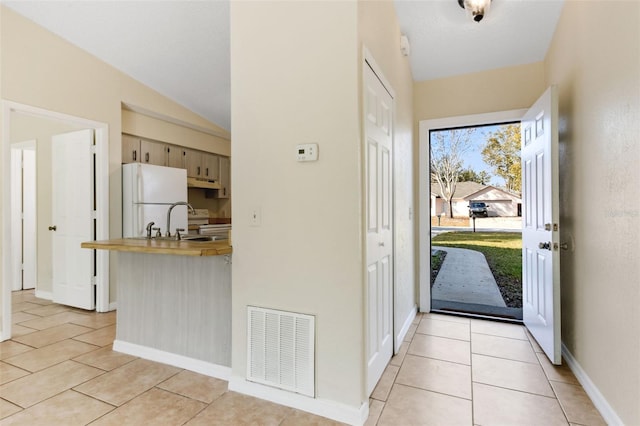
{"x": 503, "y": 251}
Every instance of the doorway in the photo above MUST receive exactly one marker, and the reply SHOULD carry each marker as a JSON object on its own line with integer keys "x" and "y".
{"x": 14, "y": 118}
{"x": 425, "y": 188}
{"x": 476, "y": 233}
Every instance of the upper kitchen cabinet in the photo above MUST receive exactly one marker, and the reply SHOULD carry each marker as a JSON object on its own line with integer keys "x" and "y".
{"x": 225, "y": 178}
{"x": 139, "y": 150}
{"x": 174, "y": 157}
{"x": 130, "y": 149}
{"x": 153, "y": 152}
{"x": 201, "y": 165}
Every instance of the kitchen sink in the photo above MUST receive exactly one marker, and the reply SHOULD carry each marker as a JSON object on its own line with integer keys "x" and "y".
{"x": 195, "y": 238}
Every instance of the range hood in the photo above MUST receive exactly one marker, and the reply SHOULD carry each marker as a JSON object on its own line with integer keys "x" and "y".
{"x": 199, "y": 183}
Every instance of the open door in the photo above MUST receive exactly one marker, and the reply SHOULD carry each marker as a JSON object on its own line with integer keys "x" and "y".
{"x": 540, "y": 224}
{"x": 73, "y": 218}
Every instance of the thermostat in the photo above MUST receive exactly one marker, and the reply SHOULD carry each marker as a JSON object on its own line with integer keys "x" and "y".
{"x": 307, "y": 152}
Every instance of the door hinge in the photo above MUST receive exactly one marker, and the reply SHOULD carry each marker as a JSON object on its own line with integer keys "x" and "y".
{"x": 94, "y": 214}
{"x": 93, "y": 280}
{"x": 93, "y": 149}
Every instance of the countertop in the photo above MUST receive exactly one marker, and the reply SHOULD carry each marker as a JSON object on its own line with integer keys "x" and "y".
{"x": 179, "y": 248}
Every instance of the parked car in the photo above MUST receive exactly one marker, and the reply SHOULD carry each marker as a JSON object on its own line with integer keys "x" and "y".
{"x": 477, "y": 208}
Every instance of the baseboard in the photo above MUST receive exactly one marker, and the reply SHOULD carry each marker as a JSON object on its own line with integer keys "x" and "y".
{"x": 405, "y": 326}
{"x": 330, "y": 409}
{"x": 46, "y": 295}
{"x": 599, "y": 401}
{"x": 113, "y": 306}
{"x": 180, "y": 361}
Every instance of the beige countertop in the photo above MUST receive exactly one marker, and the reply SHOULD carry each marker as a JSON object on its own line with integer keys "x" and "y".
{"x": 179, "y": 248}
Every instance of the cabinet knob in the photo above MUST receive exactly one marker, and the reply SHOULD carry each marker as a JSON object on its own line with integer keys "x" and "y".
{"x": 53, "y": 228}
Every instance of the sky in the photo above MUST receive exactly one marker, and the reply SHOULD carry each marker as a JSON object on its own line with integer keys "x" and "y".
{"x": 473, "y": 158}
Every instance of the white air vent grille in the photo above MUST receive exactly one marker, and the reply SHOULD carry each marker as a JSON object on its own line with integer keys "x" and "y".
{"x": 281, "y": 350}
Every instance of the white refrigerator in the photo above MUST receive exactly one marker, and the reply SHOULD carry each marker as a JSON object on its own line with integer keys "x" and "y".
{"x": 147, "y": 193}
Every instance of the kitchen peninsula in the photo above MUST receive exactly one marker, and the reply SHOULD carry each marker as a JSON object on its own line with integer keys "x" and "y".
{"x": 174, "y": 302}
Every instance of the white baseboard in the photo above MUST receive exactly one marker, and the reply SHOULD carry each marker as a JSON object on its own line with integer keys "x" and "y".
{"x": 599, "y": 401}
{"x": 330, "y": 409}
{"x": 113, "y": 306}
{"x": 46, "y": 295}
{"x": 405, "y": 327}
{"x": 180, "y": 361}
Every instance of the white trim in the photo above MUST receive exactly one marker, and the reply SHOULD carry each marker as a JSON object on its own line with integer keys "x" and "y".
{"x": 113, "y": 306}
{"x": 198, "y": 366}
{"x": 175, "y": 121}
{"x": 424, "y": 186}
{"x": 102, "y": 195}
{"x": 46, "y": 295}
{"x": 321, "y": 407}
{"x": 599, "y": 401}
{"x": 405, "y": 327}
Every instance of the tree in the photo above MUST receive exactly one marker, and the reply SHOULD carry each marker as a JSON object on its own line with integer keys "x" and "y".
{"x": 470, "y": 175}
{"x": 447, "y": 150}
{"x": 502, "y": 152}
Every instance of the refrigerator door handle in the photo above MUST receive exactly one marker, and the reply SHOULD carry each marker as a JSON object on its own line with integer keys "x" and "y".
{"x": 140, "y": 208}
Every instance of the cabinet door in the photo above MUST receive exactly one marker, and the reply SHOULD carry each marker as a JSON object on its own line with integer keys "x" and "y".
{"x": 153, "y": 152}
{"x": 193, "y": 163}
{"x": 174, "y": 156}
{"x": 130, "y": 149}
{"x": 225, "y": 178}
{"x": 211, "y": 166}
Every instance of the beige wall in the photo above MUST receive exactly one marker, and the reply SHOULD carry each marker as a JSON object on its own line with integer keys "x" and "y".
{"x": 26, "y": 127}
{"x": 379, "y": 32}
{"x": 42, "y": 70}
{"x": 316, "y": 265}
{"x": 501, "y": 89}
{"x": 294, "y": 79}
{"x": 595, "y": 61}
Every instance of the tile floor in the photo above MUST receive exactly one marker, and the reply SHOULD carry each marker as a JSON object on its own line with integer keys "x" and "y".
{"x": 59, "y": 369}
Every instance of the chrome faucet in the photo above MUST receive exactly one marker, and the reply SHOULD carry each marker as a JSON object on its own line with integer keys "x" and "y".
{"x": 149, "y": 226}
{"x": 179, "y": 203}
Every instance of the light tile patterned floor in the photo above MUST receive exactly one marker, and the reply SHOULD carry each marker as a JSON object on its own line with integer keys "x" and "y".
{"x": 59, "y": 369}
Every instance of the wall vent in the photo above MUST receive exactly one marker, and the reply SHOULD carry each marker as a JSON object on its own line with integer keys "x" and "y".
{"x": 281, "y": 350}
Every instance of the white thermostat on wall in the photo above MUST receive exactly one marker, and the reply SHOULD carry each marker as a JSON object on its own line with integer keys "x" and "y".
{"x": 307, "y": 152}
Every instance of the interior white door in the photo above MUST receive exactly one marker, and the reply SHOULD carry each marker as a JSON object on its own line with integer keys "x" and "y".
{"x": 73, "y": 218}
{"x": 23, "y": 215}
{"x": 540, "y": 233}
{"x": 378, "y": 115}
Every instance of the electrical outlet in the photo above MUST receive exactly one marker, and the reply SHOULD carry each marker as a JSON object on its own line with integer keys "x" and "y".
{"x": 255, "y": 217}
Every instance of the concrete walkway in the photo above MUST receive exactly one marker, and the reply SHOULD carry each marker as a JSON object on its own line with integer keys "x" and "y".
{"x": 465, "y": 277}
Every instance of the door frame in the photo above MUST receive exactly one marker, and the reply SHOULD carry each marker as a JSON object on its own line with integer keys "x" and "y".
{"x": 424, "y": 187}
{"x": 102, "y": 201}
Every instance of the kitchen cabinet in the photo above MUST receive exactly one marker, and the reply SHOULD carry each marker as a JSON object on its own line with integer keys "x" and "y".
{"x": 174, "y": 156}
{"x": 201, "y": 165}
{"x": 193, "y": 163}
{"x": 211, "y": 166}
{"x": 139, "y": 150}
{"x": 153, "y": 152}
{"x": 130, "y": 149}
{"x": 225, "y": 178}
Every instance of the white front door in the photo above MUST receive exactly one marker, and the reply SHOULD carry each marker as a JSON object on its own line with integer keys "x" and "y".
{"x": 540, "y": 224}
{"x": 73, "y": 218}
{"x": 378, "y": 114}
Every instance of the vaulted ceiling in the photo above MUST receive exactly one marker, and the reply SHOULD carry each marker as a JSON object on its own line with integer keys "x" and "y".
{"x": 181, "y": 48}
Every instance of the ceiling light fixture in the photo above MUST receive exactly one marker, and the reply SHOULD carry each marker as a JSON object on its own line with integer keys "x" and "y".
{"x": 475, "y": 8}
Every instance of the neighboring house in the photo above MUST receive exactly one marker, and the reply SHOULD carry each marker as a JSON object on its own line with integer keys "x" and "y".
{"x": 501, "y": 203}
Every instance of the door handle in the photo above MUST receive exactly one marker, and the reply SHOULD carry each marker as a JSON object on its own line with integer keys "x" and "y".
{"x": 53, "y": 228}
{"x": 544, "y": 246}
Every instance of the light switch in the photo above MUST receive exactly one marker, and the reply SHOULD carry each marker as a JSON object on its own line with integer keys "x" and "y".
{"x": 307, "y": 152}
